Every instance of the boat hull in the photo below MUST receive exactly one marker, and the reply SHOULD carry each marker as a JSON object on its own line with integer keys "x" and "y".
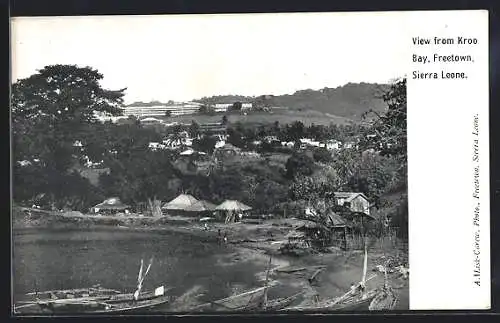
{"x": 357, "y": 305}
{"x": 115, "y": 303}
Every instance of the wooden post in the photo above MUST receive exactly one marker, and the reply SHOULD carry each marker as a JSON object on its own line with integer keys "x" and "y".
{"x": 267, "y": 283}
{"x": 345, "y": 237}
{"x": 363, "y": 232}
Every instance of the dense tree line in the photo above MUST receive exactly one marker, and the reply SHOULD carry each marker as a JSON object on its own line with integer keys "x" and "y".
{"x": 54, "y": 108}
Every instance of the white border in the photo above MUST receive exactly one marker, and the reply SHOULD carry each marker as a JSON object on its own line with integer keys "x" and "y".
{"x": 440, "y": 149}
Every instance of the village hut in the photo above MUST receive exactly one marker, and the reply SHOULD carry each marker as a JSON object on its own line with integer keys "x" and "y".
{"x": 297, "y": 238}
{"x": 202, "y": 207}
{"x": 339, "y": 228}
{"x": 231, "y": 208}
{"x": 180, "y": 204}
{"x": 111, "y": 205}
{"x": 327, "y": 230}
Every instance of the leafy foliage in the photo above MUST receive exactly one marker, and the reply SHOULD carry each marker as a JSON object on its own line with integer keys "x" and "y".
{"x": 205, "y": 144}
{"x": 390, "y": 127}
{"x": 135, "y": 177}
{"x": 350, "y": 100}
{"x": 55, "y": 107}
{"x": 322, "y": 155}
{"x": 194, "y": 129}
{"x": 50, "y": 111}
{"x": 299, "y": 164}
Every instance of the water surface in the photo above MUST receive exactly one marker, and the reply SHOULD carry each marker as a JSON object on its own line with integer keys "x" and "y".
{"x": 65, "y": 259}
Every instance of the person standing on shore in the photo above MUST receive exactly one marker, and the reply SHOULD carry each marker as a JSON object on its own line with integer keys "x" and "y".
{"x": 225, "y": 238}
{"x": 219, "y": 237}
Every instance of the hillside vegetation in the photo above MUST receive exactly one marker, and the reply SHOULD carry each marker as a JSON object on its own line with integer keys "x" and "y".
{"x": 348, "y": 101}
{"x": 283, "y": 116}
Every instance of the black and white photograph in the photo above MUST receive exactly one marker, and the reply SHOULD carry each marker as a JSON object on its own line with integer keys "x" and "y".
{"x": 229, "y": 163}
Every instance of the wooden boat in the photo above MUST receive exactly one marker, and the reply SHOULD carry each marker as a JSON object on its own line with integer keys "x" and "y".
{"x": 125, "y": 302}
{"x": 386, "y": 298}
{"x": 89, "y": 292}
{"x": 247, "y": 301}
{"x": 280, "y": 303}
{"x": 253, "y": 300}
{"x": 276, "y": 304}
{"x": 356, "y": 299}
{"x": 358, "y": 302}
{"x": 98, "y": 303}
{"x": 94, "y": 300}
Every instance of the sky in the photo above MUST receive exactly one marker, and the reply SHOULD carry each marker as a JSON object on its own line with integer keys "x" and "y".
{"x": 185, "y": 57}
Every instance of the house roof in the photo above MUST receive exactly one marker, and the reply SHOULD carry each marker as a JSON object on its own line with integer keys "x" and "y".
{"x": 113, "y": 203}
{"x": 201, "y": 206}
{"x": 232, "y": 205}
{"x": 336, "y": 220}
{"x": 304, "y": 223}
{"x": 181, "y": 202}
{"x": 349, "y": 196}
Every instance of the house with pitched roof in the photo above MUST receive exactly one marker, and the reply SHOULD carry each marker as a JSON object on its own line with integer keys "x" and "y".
{"x": 355, "y": 201}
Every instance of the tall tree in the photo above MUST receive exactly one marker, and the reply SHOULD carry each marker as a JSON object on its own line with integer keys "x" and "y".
{"x": 194, "y": 129}
{"x": 205, "y": 144}
{"x": 236, "y": 106}
{"x": 390, "y": 127}
{"x": 296, "y": 130}
{"x": 299, "y": 164}
{"x": 139, "y": 176}
{"x": 50, "y": 111}
{"x": 52, "y": 108}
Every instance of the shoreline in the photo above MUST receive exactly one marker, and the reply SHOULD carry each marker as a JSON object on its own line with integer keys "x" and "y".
{"x": 250, "y": 243}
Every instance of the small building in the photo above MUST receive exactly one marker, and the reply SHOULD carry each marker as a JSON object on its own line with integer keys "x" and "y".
{"x": 333, "y": 145}
{"x": 111, "y": 205}
{"x": 220, "y": 143}
{"x": 354, "y": 201}
{"x": 270, "y": 139}
{"x": 349, "y": 145}
{"x": 180, "y": 204}
{"x": 233, "y": 210}
{"x": 176, "y": 142}
{"x": 222, "y": 107}
{"x": 155, "y": 146}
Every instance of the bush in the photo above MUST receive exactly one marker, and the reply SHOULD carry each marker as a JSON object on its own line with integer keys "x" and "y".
{"x": 299, "y": 164}
{"x": 322, "y": 155}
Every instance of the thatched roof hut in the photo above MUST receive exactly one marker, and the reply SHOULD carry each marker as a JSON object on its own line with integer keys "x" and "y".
{"x": 201, "y": 206}
{"x": 181, "y": 202}
{"x": 232, "y": 205}
{"x": 110, "y": 204}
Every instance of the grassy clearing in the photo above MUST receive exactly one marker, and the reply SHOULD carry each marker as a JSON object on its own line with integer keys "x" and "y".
{"x": 282, "y": 116}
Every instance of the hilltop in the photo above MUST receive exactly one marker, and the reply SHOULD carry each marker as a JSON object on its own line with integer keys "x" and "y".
{"x": 349, "y": 101}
